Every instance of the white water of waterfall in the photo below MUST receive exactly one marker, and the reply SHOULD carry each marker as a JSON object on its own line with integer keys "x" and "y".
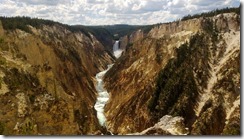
{"x": 116, "y": 50}
{"x": 103, "y": 95}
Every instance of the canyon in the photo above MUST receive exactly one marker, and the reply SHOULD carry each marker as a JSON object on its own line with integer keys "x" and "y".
{"x": 176, "y": 78}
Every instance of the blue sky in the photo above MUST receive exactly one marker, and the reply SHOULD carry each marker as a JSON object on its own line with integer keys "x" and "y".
{"x": 107, "y": 12}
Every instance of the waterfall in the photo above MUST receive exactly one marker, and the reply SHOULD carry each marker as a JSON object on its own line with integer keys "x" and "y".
{"x": 117, "y": 51}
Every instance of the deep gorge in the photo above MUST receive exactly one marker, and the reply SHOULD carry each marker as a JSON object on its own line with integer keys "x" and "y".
{"x": 176, "y": 78}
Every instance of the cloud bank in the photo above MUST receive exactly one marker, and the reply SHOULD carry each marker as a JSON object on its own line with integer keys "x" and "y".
{"x": 107, "y": 12}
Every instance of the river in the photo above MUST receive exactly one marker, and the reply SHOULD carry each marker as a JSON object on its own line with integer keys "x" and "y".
{"x": 103, "y": 95}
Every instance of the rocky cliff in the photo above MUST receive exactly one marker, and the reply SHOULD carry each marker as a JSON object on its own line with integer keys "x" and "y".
{"x": 188, "y": 69}
{"x": 47, "y": 80}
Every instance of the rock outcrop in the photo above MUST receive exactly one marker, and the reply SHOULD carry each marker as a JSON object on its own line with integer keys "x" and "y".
{"x": 167, "y": 125}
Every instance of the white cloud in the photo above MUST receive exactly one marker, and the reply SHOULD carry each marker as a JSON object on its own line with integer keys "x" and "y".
{"x": 42, "y": 2}
{"x": 100, "y": 12}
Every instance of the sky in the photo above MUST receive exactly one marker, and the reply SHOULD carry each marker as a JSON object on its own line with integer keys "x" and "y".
{"x": 108, "y": 12}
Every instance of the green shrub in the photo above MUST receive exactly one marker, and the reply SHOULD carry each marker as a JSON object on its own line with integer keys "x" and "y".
{"x": 1, "y": 41}
{"x": 1, "y": 128}
{"x": 212, "y": 13}
{"x": 2, "y": 61}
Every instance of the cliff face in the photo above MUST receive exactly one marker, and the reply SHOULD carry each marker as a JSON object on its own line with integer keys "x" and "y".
{"x": 47, "y": 81}
{"x": 186, "y": 68}
{"x": 130, "y": 39}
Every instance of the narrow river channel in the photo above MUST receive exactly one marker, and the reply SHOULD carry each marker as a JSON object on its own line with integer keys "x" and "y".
{"x": 103, "y": 95}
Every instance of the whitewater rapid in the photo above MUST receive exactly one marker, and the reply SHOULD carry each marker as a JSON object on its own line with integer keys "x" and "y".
{"x": 103, "y": 95}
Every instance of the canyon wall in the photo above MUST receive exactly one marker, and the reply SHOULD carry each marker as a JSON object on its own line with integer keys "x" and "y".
{"x": 47, "y": 80}
{"x": 186, "y": 68}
